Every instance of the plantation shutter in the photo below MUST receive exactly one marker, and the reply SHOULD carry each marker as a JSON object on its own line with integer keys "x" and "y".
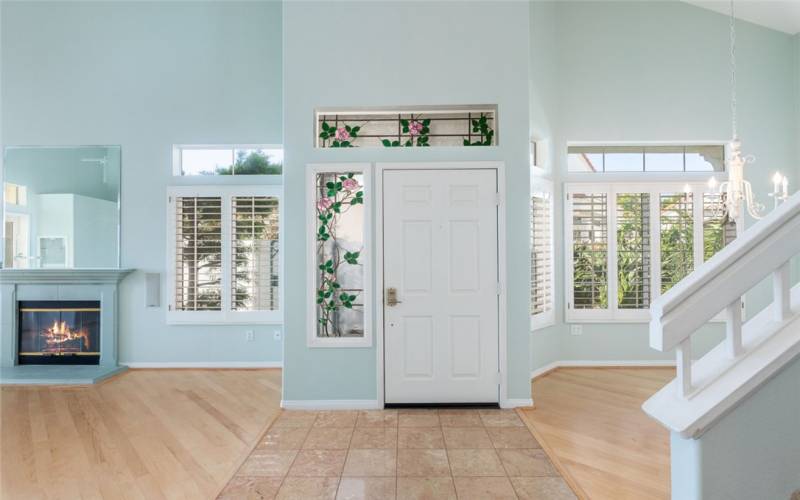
{"x": 633, "y": 250}
{"x": 198, "y": 259}
{"x": 541, "y": 254}
{"x": 254, "y": 253}
{"x": 677, "y": 238}
{"x": 589, "y": 250}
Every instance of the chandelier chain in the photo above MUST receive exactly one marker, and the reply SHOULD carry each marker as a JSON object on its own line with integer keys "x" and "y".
{"x": 734, "y": 124}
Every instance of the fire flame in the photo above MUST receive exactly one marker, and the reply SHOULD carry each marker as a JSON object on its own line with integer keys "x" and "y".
{"x": 61, "y": 333}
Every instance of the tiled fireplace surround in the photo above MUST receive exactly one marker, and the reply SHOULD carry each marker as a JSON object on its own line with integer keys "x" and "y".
{"x": 59, "y": 284}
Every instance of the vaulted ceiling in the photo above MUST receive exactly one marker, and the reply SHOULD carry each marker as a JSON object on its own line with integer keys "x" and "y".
{"x": 781, "y": 15}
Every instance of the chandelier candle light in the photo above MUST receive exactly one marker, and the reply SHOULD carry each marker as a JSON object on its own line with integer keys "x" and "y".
{"x": 737, "y": 191}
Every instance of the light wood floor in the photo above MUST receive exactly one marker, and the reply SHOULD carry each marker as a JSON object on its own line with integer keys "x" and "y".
{"x": 146, "y": 434}
{"x": 590, "y": 422}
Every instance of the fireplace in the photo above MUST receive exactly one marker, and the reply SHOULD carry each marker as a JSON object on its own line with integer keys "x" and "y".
{"x": 63, "y": 332}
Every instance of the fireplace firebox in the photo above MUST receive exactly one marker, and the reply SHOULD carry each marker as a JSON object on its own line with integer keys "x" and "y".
{"x": 59, "y": 332}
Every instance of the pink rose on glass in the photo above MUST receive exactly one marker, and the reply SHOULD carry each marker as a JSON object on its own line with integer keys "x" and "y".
{"x": 414, "y": 128}
{"x": 324, "y": 204}
{"x": 350, "y": 184}
{"x": 342, "y": 134}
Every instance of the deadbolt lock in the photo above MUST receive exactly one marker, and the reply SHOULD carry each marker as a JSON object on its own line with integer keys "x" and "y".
{"x": 391, "y": 297}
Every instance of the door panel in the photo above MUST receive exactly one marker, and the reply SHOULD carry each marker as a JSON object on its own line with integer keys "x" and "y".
{"x": 440, "y": 254}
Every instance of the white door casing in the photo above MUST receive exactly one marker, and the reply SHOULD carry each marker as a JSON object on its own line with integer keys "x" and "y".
{"x": 440, "y": 252}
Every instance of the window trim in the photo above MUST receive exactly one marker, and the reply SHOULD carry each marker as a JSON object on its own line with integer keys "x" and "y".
{"x": 177, "y": 163}
{"x": 546, "y": 318}
{"x": 227, "y": 316}
{"x": 312, "y": 340}
{"x": 613, "y": 314}
{"x": 647, "y": 175}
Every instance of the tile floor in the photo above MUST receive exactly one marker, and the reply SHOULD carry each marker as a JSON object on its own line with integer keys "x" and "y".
{"x": 398, "y": 454}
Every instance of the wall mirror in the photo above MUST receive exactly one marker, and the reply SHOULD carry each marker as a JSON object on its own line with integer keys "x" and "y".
{"x": 61, "y": 207}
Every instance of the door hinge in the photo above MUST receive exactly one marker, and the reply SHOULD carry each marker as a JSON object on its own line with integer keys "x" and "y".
{"x": 498, "y": 378}
{"x": 499, "y": 288}
{"x": 497, "y": 199}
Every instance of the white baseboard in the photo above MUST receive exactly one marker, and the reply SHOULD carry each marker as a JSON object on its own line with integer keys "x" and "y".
{"x": 516, "y": 403}
{"x": 600, "y": 363}
{"x": 204, "y": 364}
{"x": 332, "y": 404}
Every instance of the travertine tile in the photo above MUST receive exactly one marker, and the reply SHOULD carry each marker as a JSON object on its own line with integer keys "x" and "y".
{"x": 425, "y": 488}
{"x": 420, "y": 437}
{"x": 366, "y": 488}
{"x": 308, "y": 488}
{"x": 295, "y": 418}
{"x": 250, "y": 487}
{"x": 370, "y": 463}
{"x": 527, "y": 462}
{"x": 418, "y": 419}
{"x": 466, "y": 437}
{"x": 484, "y": 488}
{"x": 501, "y": 418}
{"x": 542, "y": 488}
{"x": 318, "y": 463}
{"x": 284, "y": 438}
{"x": 460, "y": 418}
{"x": 328, "y": 438}
{"x": 512, "y": 437}
{"x": 336, "y": 419}
{"x": 422, "y": 463}
{"x": 264, "y": 462}
{"x": 377, "y": 418}
{"x": 374, "y": 437}
{"x": 475, "y": 463}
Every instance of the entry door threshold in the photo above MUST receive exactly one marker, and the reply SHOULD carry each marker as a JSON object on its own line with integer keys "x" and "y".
{"x": 465, "y": 406}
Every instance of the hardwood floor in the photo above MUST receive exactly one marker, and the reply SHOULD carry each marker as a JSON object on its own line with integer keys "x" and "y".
{"x": 146, "y": 434}
{"x": 590, "y": 422}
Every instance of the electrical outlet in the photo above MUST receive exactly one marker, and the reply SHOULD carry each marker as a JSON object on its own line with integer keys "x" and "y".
{"x": 576, "y": 329}
{"x": 277, "y": 335}
{"x": 250, "y": 335}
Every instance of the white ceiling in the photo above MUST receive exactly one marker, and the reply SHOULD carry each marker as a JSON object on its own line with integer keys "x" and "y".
{"x": 781, "y": 15}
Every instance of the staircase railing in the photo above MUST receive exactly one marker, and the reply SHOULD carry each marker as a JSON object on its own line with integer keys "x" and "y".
{"x": 763, "y": 250}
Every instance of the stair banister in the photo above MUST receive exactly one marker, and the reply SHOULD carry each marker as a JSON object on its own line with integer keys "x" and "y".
{"x": 719, "y": 284}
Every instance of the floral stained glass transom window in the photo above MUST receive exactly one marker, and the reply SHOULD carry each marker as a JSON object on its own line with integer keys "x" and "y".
{"x": 340, "y": 217}
{"x": 464, "y": 126}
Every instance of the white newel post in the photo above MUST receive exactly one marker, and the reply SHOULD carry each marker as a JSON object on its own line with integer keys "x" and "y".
{"x": 683, "y": 354}
{"x": 733, "y": 328}
{"x": 781, "y": 290}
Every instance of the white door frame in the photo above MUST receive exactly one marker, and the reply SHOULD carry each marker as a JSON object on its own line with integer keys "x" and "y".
{"x": 500, "y": 167}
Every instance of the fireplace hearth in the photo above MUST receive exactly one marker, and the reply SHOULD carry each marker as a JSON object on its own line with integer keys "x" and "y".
{"x": 59, "y": 332}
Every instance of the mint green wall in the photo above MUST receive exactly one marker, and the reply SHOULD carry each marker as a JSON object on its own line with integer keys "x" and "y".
{"x": 752, "y": 452}
{"x": 401, "y": 53}
{"x": 544, "y": 125}
{"x": 659, "y": 71}
{"x": 145, "y": 76}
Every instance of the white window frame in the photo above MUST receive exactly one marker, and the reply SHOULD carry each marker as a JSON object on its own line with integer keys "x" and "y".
{"x": 654, "y": 188}
{"x": 312, "y": 340}
{"x": 177, "y": 149}
{"x": 542, "y": 184}
{"x": 227, "y": 315}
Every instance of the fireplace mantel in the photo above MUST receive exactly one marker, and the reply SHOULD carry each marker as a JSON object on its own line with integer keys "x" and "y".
{"x": 63, "y": 276}
{"x": 18, "y": 285}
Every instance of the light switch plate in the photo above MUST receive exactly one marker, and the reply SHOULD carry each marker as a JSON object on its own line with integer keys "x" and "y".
{"x": 576, "y": 329}
{"x": 250, "y": 335}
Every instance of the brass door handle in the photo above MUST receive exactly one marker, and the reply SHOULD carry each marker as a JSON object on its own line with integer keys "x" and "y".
{"x": 391, "y": 297}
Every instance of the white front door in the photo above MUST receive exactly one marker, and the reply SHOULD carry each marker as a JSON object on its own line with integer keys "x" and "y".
{"x": 440, "y": 255}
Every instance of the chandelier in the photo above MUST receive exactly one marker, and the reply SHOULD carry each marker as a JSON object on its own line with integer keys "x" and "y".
{"x": 737, "y": 192}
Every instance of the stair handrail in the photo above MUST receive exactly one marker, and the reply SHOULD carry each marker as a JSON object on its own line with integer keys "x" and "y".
{"x": 719, "y": 284}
